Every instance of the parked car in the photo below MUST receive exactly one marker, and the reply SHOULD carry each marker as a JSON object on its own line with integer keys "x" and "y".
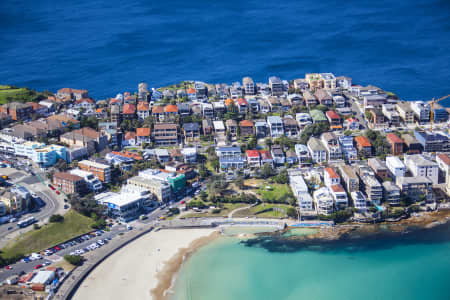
{"x": 57, "y": 193}
{"x": 38, "y": 266}
{"x": 8, "y": 267}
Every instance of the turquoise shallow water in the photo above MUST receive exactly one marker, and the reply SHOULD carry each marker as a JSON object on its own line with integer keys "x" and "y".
{"x": 414, "y": 267}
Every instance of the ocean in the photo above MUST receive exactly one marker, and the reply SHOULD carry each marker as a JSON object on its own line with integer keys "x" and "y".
{"x": 410, "y": 267}
{"x": 110, "y": 46}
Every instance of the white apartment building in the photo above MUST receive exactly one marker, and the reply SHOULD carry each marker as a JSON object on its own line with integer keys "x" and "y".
{"x": 275, "y": 126}
{"x": 329, "y": 81}
{"x": 359, "y": 201}
{"x": 395, "y": 166}
{"x": 339, "y": 196}
{"x": 323, "y": 201}
{"x": 300, "y": 191}
{"x": 421, "y": 166}
{"x": 317, "y": 150}
{"x": 330, "y": 177}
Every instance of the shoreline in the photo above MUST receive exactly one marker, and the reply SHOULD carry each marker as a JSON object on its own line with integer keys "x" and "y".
{"x": 167, "y": 277}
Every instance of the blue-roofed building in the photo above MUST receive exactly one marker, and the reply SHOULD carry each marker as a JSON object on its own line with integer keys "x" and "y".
{"x": 228, "y": 151}
{"x": 432, "y": 141}
{"x": 440, "y": 115}
{"x": 237, "y": 162}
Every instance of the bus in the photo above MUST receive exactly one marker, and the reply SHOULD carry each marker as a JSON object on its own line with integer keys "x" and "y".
{"x": 26, "y": 222}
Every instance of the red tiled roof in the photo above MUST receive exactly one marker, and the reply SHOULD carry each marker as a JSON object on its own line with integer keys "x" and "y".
{"x": 65, "y": 90}
{"x": 363, "y": 141}
{"x": 129, "y": 109}
{"x": 128, "y": 154}
{"x": 130, "y": 135}
{"x": 242, "y": 101}
{"x": 337, "y": 188}
{"x": 99, "y": 110}
{"x": 252, "y": 153}
{"x": 265, "y": 154}
{"x": 393, "y": 138}
{"x": 171, "y": 108}
{"x": 114, "y": 100}
{"x": 191, "y": 91}
{"x": 229, "y": 101}
{"x": 85, "y": 100}
{"x": 143, "y": 106}
{"x": 143, "y": 132}
{"x": 351, "y": 120}
{"x": 157, "y": 109}
{"x": 246, "y": 123}
{"x": 331, "y": 173}
{"x": 444, "y": 158}
{"x": 332, "y": 115}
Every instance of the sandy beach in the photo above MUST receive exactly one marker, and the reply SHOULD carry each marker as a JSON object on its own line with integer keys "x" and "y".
{"x": 143, "y": 269}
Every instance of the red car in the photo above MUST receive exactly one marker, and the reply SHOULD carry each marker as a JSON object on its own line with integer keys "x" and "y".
{"x": 8, "y": 268}
{"x": 52, "y": 187}
{"x": 38, "y": 267}
{"x": 57, "y": 248}
{"x": 57, "y": 192}
{"x": 183, "y": 202}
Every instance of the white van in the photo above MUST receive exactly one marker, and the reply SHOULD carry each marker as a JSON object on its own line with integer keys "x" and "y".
{"x": 35, "y": 256}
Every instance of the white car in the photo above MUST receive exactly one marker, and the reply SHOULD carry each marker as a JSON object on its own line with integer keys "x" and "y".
{"x": 100, "y": 242}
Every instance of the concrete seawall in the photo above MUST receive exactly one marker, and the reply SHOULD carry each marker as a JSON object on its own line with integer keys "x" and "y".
{"x": 71, "y": 284}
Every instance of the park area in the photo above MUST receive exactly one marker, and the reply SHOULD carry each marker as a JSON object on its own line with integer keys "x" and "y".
{"x": 49, "y": 235}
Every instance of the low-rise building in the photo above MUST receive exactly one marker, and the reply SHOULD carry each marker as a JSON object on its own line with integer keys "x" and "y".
{"x": 339, "y": 196}
{"x": 278, "y": 155}
{"x": 317, "y": 150}
{"x": 69, "y": 183}
{"x": 363, "y": 145}
{"x": 101, "y": 171}
{"x": 395, "y": 166}
{"x": 373, "y": 189}
{"x": 290, "y": 126}
{"x": 300, "y": 191}
{"x": 350, "y": 178}
{"x": 359, "y": 201}
{"x": 253, "y": 158}
{"x": 323, "y": 201}
{"x": 334, "y": 119}
{"x": 405, "y": 112}
{"x": 416, "y": 188}
{"x": 391, "y": 193}
{"x": 125, "y": 205}
{"x": 93, "y": 184}
{"x": 379, "y": 167}
{"x": 330, "y": 177}
{"x": 302, "y": 153}
{"x": 318, "y": 116}
{"x": 165, "y": 134}
{"x": 246, "y": 127}
{"x": 396, "y": 143}
{"x": 421, "y": 166}
{"x": 331, "y": 143}
{"x": 275, "y": 124}
{"x": 412, "y": 144}
{"x": 191, "y": 132}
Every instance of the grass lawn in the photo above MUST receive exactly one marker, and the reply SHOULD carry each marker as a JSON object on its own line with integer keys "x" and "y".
{"x": 8, "y": 94}
{"x": 227, "y": 208}
{"x": 266, "y": 211}
{"x": 49, "y": 235}
{"x": 276, "y": 191}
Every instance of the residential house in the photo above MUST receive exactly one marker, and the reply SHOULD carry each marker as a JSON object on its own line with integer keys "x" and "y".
{"x": 314, "y": 81}
{"x": 303, "y": 119}
{"x": 395, "y": 166}
{"x": 191, "y": 94}
{"x": 291, "y": 157}
{"x": 69, "y": 183}
{"x": 207, "y": 126}
{"x": 128, "y": 111}
{"x": 350, "y": 178}
{"x": 323, "y": 201}
{"x": 170, "y": 111}
{"x": 87, "y": 104}
{"x": 191, "y": 132}
{"x": 377, "y": 119}
{"x": 331, "y": 143}
{"x": 317, "y": 150}
{"x": 339, "y": 196}
{"x": 318, "y": 116}
{"x": 391, "y": 193}
{"x": 275, "y": 126}
{"x": 349, "y": 151}
{"x": 158, "y": 113}
{"x": 421, "y": 166}
{"x": 253, "y": 158}
{"x": 343, "y": 82}
{"x": 165, "y": 134}
{"x": 285, "y": 105}
{"x": 73, "y": 94}
{"x": 231, "y": 126}
{"x": 242, "y": 106}
{"x": 443, "y": 161}
{"x": 302, "y": 153}
{"x": 184, "y": 109}
{"x": 116, "y": 116}
{"x": 266, "y": 157}
{"x": 374, "y": 101}
{"x": 274, "y": 104}
{"x": 253, "y": 105}
{"x": 246, "y": 127}
{"x": 143, "y": 136}
{"x": 334, "y": 119}
{"x": 101, "y": 113}
{"x": 295, "y": 99}
{"x": 219, "y": 109}
{"x": 379, "y": 167}
{"x": 264, "y": 106}
{"x": 309, "y": 99}
{"x": 129, "y": 139}
{"x": 278, "y": 155}
{"x": 323, "y": 97}
{"x": 230, "y": 158}
{"x": 162, "y": 155}
{"x": 352, "y": 124}
{"x": 290, "y": 126}
{"x": 39, "y": 109}
{"x": 363, "y": 145}
{"x": 219, "y": 130}
{"x": 359, "y": 201}
{"x": 339, "y": 101}
{"x": 301, "y": 84}
{"x": 189, "y": 155}
{"x": 175, "y": 155}
{"x": 261, "y": 129}
{"x": 143, "y": 110}
{"x": 207, "y": 111}
{"x": 330, "y": 177}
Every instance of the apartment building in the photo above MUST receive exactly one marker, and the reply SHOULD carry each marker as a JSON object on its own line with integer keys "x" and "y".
{"x": 417, "y": 188}
{"x": 276, "y": 86}
{"x": 405, "y": 112}
{"x": 395, "y": 166}
{"x": 330, "y": 177}
{"x": 379, "y": 167}
{"x": 331, "y": 143}
{"x": 391, "y": 193}
{"x": 314, "y": 81}
{"x": 249, "y": 86}
{"x": 300, "y": 191}
{"x": 17, "y": 111}
{"x": 276, "y": 127}
{"x": 101, "y": 171}
{"x": 159, "y": 189}
{"x": 317, "y": 150}
{"x": 339, "y": 196}
{"x": 412, "y": 145}
{"x": 421, "y": 166}
{"x": 290, "y": 126}
{"x": 373, "y": 189}
{"x": 422, "y": 111}
{"x": 396, "y": 143}
{"x": 165, "y": 134}
{"x": 359, "y": 201}
{"x": 329, "y": 81}
{"x": 350, "y": 178}
{"x": 432, "y": 141}
{"x": 323, "y": 201}
{"x": 69, "y": 183}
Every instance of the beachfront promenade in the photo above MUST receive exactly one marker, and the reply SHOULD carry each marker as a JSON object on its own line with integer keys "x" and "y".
{"x": 215, "y": 222}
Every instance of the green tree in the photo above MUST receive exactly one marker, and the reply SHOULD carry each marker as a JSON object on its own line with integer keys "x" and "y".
{"x": 56, "y": 218}
{"x": 268, "y": 142}
{"x": 291, "y": 212}
{"x": 251, "y": 144}
{"x": 267, "y": 171}
{"x": 75, "y": 260}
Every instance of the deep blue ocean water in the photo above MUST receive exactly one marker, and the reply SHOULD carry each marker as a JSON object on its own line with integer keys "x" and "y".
{"x": 110, "y": 46}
